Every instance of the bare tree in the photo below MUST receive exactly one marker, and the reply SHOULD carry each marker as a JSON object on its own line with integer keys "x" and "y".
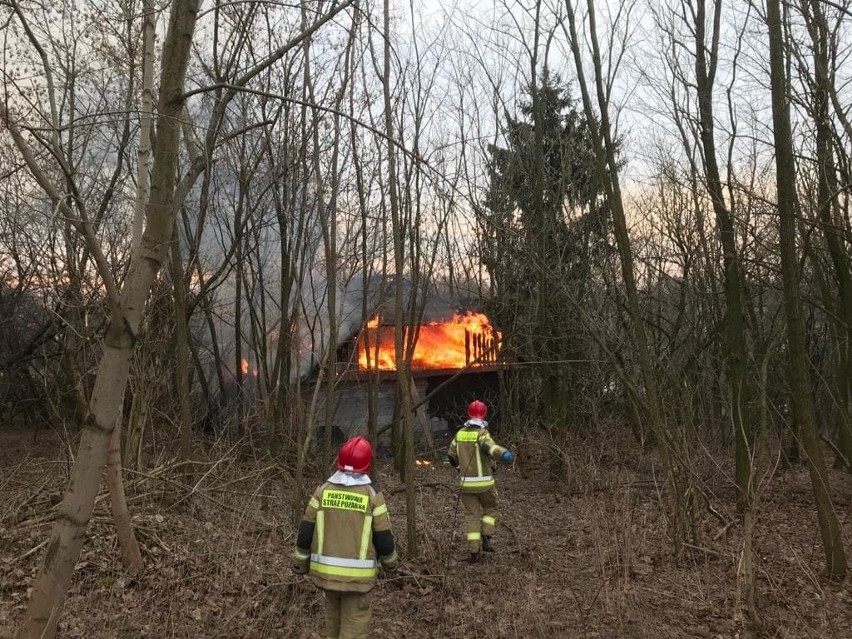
{"x": 803, "y": 406}
{"x": 819, "y": 76}
{"x": 706, "y": 64}
{"x": 677, "y": 476}
{"x": 126, "y": 306}
{"x": 403, "y": 372}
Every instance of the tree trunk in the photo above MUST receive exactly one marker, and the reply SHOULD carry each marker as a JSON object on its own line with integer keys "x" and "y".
{"x": 832, "y": 225}
{"x": 137, "y": 421}
{"x": 403, "y": 375}
{"x": 146, "y": 109}
{"x": 803, "y": 405}
{"x": 63, "y": 550}
{"x": 677, "y": 477}
{"x": 181, "y": 348}
{"x": 748, "y": 566}
{"x": 327, "y": 215}
{"x": 419, "y": 408}
{"x": 311, "y": 423}
{"x": 238, "y": 408}
{"x": 739, "y": 394}
{"x": 138, "y": 412}
{"x": 131, "y": 557}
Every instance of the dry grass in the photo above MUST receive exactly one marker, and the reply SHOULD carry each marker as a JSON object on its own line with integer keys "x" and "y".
{"x": 583, "y": 551}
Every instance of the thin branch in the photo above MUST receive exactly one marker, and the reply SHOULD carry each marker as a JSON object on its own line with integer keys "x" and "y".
{"x": 82, "y": 225}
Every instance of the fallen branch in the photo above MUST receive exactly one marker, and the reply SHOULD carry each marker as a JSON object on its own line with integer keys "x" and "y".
{"x": 12, "y": 516}
{"x": 404, "y": 573}
{"x": 29, "y": 552}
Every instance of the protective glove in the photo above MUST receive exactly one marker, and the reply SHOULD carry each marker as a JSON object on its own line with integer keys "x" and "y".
{"x": 301, "y": 564}
{"x": 508, "y": 456}
{"x": 390, "y": 562}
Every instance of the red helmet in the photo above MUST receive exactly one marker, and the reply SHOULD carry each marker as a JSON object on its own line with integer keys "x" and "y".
{"x": 477, "y": 410}
{"x": 355, "y": 455}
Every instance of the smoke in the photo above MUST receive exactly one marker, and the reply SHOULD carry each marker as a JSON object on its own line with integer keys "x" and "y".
{"x": 352, "y": 296}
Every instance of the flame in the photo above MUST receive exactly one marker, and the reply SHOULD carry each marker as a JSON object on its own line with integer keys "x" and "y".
{"x": 244, "y": 365}
{"x": 464, "y": 340}
{"x": 422, "y": 462}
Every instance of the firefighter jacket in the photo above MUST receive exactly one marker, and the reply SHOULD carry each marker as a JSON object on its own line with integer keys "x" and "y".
{"x": 473, "y": 453}
{"x": 344, "y": 532}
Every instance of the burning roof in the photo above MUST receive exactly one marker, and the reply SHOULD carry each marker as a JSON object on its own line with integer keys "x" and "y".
{"x": 446, "y": 339}
{"x": 462, "y": 341}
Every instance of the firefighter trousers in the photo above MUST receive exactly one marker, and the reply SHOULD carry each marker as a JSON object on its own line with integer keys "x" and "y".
{"x": 480, "y": 515}
{"x": 347, "y": 614}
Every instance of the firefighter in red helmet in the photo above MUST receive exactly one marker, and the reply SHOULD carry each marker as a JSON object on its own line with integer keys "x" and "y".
{"x": 344, "y": 534}
{"x": 472, "y": 452}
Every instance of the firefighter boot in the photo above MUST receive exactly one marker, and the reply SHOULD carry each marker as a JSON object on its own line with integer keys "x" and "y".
{"x": 486, "y": 544}
{"x": 474, "y": 558}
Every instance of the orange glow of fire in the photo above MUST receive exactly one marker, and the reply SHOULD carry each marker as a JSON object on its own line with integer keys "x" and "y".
{"x": 464, "y": 340}
{"x": 422, "y": 462}
{"x": 244, "y": 365}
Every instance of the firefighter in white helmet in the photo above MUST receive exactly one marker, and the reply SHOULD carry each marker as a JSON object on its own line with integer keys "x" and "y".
{"x": 344, "y": 534}
{"x": 472, "y": 452}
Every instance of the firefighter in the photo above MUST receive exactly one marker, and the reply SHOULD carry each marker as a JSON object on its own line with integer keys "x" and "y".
{"x": 474, "y": 454}
{"x": 344, "y": 534}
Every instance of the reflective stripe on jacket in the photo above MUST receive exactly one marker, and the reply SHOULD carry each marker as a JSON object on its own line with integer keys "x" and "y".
{"x": 346, "y": 518}
{"x": 471, "y": 452}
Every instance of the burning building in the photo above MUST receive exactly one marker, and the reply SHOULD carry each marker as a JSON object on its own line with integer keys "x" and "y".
{"x": 455, "y": 343}
{"x": 454, "y": 359}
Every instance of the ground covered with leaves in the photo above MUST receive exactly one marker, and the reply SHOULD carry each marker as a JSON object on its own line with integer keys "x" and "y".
{"x": 583, "y": 551}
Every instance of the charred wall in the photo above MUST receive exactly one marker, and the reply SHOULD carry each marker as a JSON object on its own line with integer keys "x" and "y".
{"x": 446, "y": 410}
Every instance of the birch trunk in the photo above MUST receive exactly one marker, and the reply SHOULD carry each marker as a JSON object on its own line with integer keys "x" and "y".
{"x": 48, "y": 594}
{"x": 131, "y": 556}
